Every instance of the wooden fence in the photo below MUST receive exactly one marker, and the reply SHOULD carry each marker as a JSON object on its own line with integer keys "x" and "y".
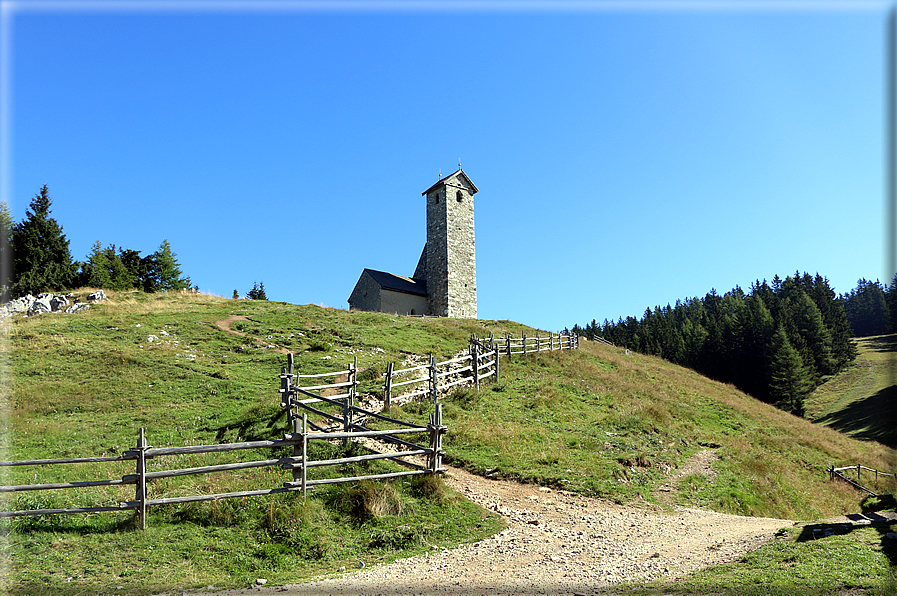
{"x": 299, "y": 463}
{"x": 836, "y": 473}
{"x": 525, "y": 346}
{"x": 471, "y": 369}
{"x": 481, "y": 363}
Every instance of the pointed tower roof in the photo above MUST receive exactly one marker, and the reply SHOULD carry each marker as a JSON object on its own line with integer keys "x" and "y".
{"x": 445, "y": 182}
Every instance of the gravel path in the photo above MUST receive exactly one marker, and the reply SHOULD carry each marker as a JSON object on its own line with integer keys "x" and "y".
{"x": 556, "y": 543}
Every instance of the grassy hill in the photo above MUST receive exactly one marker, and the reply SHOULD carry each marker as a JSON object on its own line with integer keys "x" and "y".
{"x": 862, "y": 402}
{"x": 596, "y": 421}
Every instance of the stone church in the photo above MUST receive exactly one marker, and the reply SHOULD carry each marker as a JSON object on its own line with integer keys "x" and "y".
{"x": 444, "y": 283}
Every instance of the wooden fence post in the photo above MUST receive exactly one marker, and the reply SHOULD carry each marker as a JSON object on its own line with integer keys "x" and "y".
{"x": 431, "y": 459}
{"x": 434, "y": 380}
{"x": 524, "y": 345}
{"x": 140, "y": 495}
{"x": 497, "y": 359}
{"x": 435, "y": 460}
{"x": 347, "y": 411}
{"x": 387, "y": 388}
{"x": 285, "y": 393}
{"x": 353, "y": 388}
{"x": 290, "y": 370}
{"x": 508, "y": 341}
{"x": 438, "y": 436}
{"x": 304, "y": 453}
{"x": 297, "y": 448}
{"x": 475, "y": 363}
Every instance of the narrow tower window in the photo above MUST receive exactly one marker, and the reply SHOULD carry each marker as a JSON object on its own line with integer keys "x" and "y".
{"x": 459, "y": 196}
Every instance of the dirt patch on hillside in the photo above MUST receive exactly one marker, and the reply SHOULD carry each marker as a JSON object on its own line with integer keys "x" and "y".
{"x": 556, "y": 543}
{"x": 227, "y": 326}
{"x": 699, "y": 463}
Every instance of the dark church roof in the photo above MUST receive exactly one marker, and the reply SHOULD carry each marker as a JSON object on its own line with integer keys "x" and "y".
{"x": 459, "y": 173}
{"x": 398, "y": 283}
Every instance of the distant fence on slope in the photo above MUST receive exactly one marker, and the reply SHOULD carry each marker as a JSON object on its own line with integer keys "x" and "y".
{"x": 837, "y": 473}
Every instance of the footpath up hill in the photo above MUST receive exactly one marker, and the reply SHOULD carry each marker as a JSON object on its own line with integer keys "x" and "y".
{"x": 597, "y": 421}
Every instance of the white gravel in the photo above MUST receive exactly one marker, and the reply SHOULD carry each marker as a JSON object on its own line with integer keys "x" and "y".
{"x": 556, "y": 543}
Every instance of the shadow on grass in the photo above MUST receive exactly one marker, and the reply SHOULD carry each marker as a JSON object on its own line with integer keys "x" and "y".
{"x": 254, "y": 425}
{"x": 870, "y": 419}
{"x": 77, "y": 524}
{"x": 884, "y": 524}
{"x": 882, "y": 343}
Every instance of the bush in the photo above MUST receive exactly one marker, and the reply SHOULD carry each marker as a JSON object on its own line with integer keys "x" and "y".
{"x": 367, "y": 500}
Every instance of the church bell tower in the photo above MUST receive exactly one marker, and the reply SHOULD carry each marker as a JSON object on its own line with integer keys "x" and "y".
{"x": 449, "y": 259}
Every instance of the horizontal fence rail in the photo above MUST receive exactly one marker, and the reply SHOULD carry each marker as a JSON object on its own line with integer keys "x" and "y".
{"x": 345, "y": 421}
{"x": 298, "y": 463}
{"x": 836, "y": 473}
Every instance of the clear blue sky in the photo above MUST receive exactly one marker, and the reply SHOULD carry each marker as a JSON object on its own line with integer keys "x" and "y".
{"x": 626, "y": 156}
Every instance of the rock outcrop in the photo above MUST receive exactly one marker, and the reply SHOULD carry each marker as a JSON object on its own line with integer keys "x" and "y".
{"x": 30, "y": 306}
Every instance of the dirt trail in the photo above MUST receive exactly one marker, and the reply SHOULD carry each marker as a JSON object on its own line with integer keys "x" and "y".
{"x": 227, "y": 325}
{"x": 556, "y": 543}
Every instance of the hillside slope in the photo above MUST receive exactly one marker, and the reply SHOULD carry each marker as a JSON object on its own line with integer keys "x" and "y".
{"x": 597, "y": 421}
{"x": 862, "y": 401}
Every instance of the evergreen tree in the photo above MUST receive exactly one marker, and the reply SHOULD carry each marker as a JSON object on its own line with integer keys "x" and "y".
{"x": 236, "y": 295}
{"x": 816, "y": 338}
{"x": 163, "y": 272}
{"x": 41, "y": 257}
{"x": 134, "y": 264}
{"x": 95, "y": 272}
{"x": 106, "y": 269}
{"x": 257, "y": 292}
{"x": 789, "y": 380}
{"x": 867, "y": 309}
{"x": 7, "y": 225}
{"x": 733, "y": 337}
{"x": 758, "y": 347}
{"x": 891, "y": 303}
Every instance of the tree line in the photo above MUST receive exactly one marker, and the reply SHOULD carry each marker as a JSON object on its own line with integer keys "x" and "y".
{"x": 38, "y": 251}
{"x": 776, "y": 342}
{"x": 872, "y": 308}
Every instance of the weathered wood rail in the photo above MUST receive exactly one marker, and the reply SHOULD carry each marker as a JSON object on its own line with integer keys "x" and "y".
{"x": 299, "y": 463}
{"x": 533, "y": 345}
{"x": 836, "y": 473}
{"x": 473, "y": 368}
{"x": 481, "y": 363}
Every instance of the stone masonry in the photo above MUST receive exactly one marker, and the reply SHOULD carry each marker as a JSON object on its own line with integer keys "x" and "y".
{"x": 445, "y": 281}
{"x": 450, "y": 252}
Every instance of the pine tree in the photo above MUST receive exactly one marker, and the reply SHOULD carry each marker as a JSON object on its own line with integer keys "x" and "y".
{"x": 867, "y": 309}
{"x": 95, "y": 272}
{"x": 891, "y": 303}
{"x": 789, "y": 380}
{"x": 7, "y": 225}
{"x": 759, "y": 330}
{"x": 257, "y": 292}
{"x": 164, "y": 271}
{"x": 41, "y": 257}
{"x": 106, "y": 269}
{"x": 817, "y": 339}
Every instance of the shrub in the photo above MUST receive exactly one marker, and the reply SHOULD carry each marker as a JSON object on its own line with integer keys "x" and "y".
{"x": 368, "y": 500}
